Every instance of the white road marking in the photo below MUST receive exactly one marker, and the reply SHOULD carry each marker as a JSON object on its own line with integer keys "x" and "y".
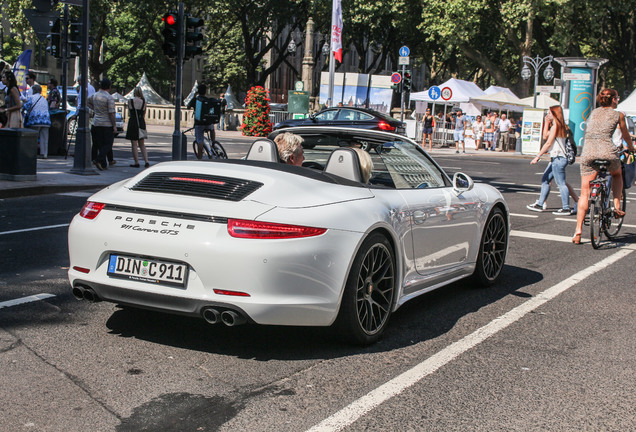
{"x": 519, "y": 189}
{"x": 352, "y": 412}
{"x": 524, "y": 215}
{"x": 541, "y": 236}
{"x": 34, "y": 229}
{"x": 23, "y": 300}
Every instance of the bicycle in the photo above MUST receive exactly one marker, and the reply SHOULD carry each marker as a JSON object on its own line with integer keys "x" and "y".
{"x": 211, "y": 147}
{"x": 602, "y": 220}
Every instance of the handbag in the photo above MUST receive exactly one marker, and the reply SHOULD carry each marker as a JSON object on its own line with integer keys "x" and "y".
{"x": 142, "y": 134}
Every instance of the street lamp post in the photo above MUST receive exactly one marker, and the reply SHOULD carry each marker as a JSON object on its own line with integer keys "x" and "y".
{"x": 536, "y": 64}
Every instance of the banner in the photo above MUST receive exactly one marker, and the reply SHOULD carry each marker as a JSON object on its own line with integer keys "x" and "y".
{"x": 20, "y": 69}
{"x": 581, "y": 103}
{"x": 336, "y": 30}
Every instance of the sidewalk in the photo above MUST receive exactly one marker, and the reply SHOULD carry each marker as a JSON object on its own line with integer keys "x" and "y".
{"x": 54, "y": 175}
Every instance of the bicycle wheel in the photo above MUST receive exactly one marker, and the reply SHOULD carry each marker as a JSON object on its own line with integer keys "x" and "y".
{"x": 612, "y": 225}
{"x": 219, "y": 150}
{"x": 596, "y": 220}
{"x": 194, "y": 148}
{"x": 207, "y": 148}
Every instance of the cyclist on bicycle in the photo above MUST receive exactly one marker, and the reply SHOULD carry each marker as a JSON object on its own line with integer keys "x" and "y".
{"x": 598, "y": 145}
{"x": 201, "y": 123}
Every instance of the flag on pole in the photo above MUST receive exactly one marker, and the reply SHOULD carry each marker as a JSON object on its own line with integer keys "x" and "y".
{"x": 20, "y": 69}
{"x": 336, "y": 30}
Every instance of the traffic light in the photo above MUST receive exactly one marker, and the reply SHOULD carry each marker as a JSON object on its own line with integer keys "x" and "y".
{"x": 407, "y": 80}
{"x": 397, "y": 87}
{"x": 74, "y": 38}
{"x": 193, "y": 37}
{"x": 170, "y": 33}
{"x": 55, "y": 39}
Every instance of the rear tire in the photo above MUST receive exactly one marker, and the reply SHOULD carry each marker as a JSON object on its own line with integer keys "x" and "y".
{"x": 596, "y": 221}
{"x": 492, "y": 249}
{"x": 369, "y": 292}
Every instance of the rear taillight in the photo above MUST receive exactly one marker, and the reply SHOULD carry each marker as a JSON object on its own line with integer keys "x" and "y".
{"x": 385, "y": 126}
{"x": 91, "y": 209}
{"x": 266, "y": 230}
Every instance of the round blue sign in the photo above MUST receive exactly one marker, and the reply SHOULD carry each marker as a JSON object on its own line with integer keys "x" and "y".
{"x": 434, "y": 92}
{"x": 396, "y": 77}
{"x": 404, "y": 51}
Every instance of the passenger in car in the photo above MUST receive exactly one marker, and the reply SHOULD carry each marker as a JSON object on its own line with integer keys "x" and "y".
{"x": 366, "y": 164}
{"x": 290, "y": 148}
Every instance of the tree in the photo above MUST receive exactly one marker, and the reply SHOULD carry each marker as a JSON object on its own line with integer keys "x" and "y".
{"x": 256, "y": 118}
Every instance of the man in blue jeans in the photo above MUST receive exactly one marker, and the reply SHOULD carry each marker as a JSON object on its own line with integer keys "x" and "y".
{"x": 201, "y": 125}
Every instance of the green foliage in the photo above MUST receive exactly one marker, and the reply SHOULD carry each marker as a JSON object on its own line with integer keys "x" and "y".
{"x": 256, "y": 118}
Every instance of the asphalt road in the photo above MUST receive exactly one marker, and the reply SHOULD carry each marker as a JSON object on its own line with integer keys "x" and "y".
{"x": 550, "y": 347}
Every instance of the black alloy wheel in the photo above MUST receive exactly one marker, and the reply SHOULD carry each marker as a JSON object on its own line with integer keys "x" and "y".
{"x": 492, "y": 249}
{"x": 369, "y": 292}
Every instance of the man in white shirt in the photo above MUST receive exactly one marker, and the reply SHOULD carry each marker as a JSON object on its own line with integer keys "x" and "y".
{"x": 504, "y": 131}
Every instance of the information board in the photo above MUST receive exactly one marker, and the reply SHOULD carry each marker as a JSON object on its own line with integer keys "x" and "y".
{"x": 531, "y": 130}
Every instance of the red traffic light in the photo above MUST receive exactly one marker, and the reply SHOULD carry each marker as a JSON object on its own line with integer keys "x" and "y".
{"x": 170, "y": 19}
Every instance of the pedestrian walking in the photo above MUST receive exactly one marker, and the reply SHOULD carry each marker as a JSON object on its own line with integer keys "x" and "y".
{"x": 478, "y": 130}
{"x": 489, "y": 129}
{"x": 427, "y": 129}
{"x": 504, "y": 132}
{"x": 555, "y": 146}
{"x": 599, "y": 129}
{"x": 518, "y": 134}
{"x": 221, "y": 125}
{"x": 36, "y": 117}
{"x": 104, "y": 127}
{"x": 136, "y": 130}
{"x": 460, "y": 128}
{"x": 53, "y": 98}
{"x": 12, "y": 103}
{"x": 30, "y": 81}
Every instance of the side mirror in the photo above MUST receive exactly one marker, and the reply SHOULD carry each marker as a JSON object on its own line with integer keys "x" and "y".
{"x": 462, "y": 183}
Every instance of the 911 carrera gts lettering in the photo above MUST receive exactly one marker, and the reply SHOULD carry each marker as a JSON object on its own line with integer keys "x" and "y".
{"x": 150, "y": 230}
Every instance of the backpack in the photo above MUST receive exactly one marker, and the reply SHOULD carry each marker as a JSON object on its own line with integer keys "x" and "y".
{"x": 207, "y": 110}
{"x": 570, "y": 147}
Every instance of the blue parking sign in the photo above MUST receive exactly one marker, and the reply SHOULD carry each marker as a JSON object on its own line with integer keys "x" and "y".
{"x": 434, "y": 92}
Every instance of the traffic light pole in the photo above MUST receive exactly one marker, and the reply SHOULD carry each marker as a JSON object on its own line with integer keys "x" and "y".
{"x": 178, "y": 148}
{"x": 82, "y": 159}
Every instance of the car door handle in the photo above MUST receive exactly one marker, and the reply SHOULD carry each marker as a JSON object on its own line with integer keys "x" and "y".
{"x": 419, "y": 217}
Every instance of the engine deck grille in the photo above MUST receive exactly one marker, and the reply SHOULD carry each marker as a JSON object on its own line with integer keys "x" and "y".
{"x": 201, "y": 185}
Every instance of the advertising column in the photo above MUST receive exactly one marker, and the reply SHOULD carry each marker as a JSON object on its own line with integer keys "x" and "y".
{"x": 581, "y": 102}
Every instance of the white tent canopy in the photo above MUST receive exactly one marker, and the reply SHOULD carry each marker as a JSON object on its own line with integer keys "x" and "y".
{"x": 496, "y": 89}
{"x": 462, "y": 91}
{"x": 151, "y": 96}
{"x": 502, "y": 100}
{"x": 543, "y": 101}
{"x": 192, "y": 94}
{"x": 628, "y": 106}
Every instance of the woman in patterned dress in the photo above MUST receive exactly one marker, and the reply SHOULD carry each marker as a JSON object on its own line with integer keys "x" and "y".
{"x": 599, "y": 129}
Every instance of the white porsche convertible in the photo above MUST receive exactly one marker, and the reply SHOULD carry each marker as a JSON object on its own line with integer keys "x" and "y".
{"x": 259, "y": 241}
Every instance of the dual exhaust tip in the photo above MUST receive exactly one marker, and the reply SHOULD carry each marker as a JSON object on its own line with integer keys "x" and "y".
{"x": 211, "y": 315}
{"x": 228, "y": 317}
{"x": 82, "y": 292}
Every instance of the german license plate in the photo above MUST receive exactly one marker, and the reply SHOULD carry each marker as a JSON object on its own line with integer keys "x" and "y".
{"x": 147, "y": 270}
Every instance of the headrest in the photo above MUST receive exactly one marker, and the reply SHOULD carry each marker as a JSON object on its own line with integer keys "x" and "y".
{"x": 344, "y": 162}
{"x": 263, "y": 150}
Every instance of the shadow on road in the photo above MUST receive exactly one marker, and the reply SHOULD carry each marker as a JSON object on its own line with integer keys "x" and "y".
{"x": 421, "y": 319}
